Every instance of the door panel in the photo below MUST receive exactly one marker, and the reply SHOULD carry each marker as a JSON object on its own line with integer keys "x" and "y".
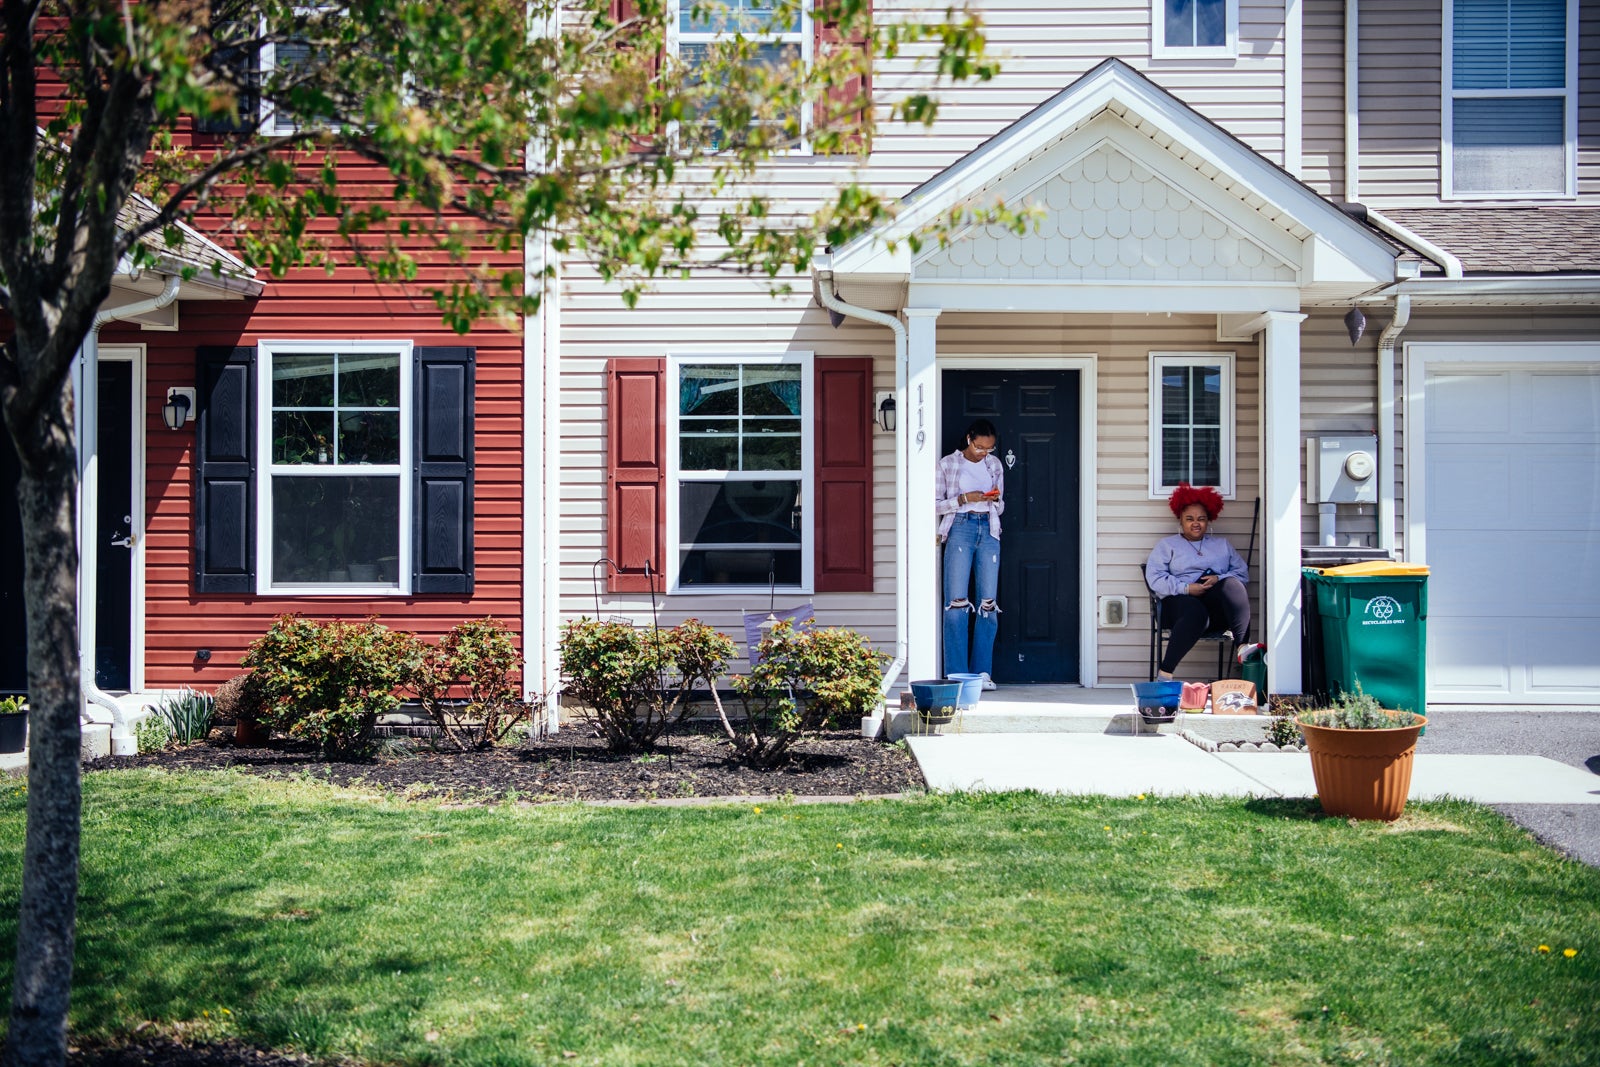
{"x": 1037, "y": 416}
{"x": 113, "y": 648}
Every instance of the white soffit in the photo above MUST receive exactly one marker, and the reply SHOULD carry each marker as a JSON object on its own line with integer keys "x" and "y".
{"x": 1117, "y": 112}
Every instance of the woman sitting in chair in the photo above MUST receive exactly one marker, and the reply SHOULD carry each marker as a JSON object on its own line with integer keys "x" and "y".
{"x": 1199, "y": 578}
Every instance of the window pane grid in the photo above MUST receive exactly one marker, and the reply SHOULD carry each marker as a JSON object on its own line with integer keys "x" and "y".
{"x": 1191, "y": 420}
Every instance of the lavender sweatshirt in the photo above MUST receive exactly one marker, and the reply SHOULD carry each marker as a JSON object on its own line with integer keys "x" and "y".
{"x": 1176, "y": 561}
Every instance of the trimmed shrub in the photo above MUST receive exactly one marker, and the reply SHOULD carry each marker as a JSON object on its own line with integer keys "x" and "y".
{"x": 466, "y": 684}
{"x": 633, "y": 684}
{"x": 807, "y": 680}
{"x": 327, "y": 683}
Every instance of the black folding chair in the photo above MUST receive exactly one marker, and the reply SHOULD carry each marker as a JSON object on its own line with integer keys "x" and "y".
{"x": 1159, "y": 635}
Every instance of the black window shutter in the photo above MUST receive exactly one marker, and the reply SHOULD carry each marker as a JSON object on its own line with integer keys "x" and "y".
{"x": 224, "y": 471}
{"x": 441, "y": 555}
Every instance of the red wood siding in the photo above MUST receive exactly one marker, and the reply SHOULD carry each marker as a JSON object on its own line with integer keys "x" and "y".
{"x": 309, "y": 304}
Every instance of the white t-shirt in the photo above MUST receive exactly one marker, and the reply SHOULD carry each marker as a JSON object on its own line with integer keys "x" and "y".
{"x": 974, "y": 479}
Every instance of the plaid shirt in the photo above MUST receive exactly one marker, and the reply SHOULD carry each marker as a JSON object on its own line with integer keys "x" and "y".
{"x": 948, "y": 504}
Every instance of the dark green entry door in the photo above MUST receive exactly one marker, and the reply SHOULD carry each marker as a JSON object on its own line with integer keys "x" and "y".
{"x": 1037, "y": 415}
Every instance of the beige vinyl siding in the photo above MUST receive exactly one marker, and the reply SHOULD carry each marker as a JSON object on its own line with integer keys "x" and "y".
{"x": 1401, "y": 45}
{"x": 1322, "y": 133}
{"x": 1338, "y": 395}
{"x": 1401, "y": 58}
{"x": 1043, "y": 47}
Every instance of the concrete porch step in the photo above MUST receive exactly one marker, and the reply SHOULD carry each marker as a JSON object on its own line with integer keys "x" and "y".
{"x": 1063, "y": 709}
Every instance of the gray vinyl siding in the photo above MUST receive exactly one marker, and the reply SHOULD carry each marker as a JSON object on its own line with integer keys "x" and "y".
{"x": 1401, "y": 84}
{"x": 1401, "y": 67}
{"x": 1322, "y": 152}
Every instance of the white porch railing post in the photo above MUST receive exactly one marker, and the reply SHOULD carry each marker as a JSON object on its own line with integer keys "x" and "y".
{"x": 919, "y": 484}
{"x": 1280, "y": 500}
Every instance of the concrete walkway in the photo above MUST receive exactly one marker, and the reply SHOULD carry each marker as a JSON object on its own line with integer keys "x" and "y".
{"x": 1539, "y": 767}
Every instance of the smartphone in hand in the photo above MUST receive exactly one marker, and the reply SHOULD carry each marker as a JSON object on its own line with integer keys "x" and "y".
{"x": 993, "y": 494}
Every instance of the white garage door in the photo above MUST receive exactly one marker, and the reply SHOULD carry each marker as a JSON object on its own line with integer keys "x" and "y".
{"x": 1512, "y": 460}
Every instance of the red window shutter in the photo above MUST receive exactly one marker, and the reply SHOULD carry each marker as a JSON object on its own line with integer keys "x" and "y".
{"x": 844, "y": 475}
{"x": 623, "y": 11}
{"x": 636, "y": 497}
{"x": 848, "y": 105}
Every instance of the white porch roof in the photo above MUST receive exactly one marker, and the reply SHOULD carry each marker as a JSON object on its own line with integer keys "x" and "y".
{"x": 1142, "y": 204}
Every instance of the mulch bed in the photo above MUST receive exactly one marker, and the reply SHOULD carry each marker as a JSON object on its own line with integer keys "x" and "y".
{"x": 691, "y": 761}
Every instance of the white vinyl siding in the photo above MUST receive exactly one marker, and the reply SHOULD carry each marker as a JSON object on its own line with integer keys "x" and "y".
{"x": 1510, "y": 109}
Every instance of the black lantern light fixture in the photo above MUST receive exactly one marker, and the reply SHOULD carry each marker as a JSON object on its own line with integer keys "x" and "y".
{"x": 1355, "y": 322}
{"x": 179, "y": 407}
{"x": 886, "y": 412}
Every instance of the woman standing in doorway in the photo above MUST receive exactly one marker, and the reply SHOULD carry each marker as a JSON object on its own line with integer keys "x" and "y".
{"x": 971, "y": 490}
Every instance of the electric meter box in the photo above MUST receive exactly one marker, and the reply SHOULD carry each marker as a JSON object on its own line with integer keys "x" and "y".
{"x": 1343, "y": 470}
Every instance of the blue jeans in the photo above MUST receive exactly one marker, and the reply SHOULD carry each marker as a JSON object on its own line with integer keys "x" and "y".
{"x": 970, "y": 550}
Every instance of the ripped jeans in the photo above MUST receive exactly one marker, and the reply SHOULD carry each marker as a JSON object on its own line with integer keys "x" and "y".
{"x": 970, "y": 550}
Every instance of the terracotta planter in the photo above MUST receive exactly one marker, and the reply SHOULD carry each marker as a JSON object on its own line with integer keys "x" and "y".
{"x": 1364, "y": 774}
{"x": 250, "y": 733}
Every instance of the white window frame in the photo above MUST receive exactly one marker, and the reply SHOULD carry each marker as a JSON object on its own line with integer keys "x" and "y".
{"x": 1227, "y": 446}
{"x": 1449, "y": 95}
{"x": 271, "y": 124}
{"x": 265, "y": 351}
{"x": 805, "y": 36}
{"x": 1160, "y": 49}
{"x": 806, "y": 475}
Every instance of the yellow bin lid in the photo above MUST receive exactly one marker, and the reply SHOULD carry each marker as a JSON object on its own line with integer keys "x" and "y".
{"x": 1376, "y": 567}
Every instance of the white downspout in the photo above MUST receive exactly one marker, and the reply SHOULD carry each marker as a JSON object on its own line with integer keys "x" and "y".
{"x": 1352, "y": 101}
{"x": 1386, "y": 344}
{"x": 122, "y": 739}
{"x": 831, "y": 301}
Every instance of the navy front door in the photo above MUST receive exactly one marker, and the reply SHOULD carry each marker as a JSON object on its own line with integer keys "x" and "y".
{"x": 113, "y": 643}
{"x": 1037, "y": 415}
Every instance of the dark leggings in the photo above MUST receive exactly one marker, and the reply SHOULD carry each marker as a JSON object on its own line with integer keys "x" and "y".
{"x": 1225, "y": 606}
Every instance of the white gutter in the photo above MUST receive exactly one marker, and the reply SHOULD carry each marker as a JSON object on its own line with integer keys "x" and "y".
{"x": 1352, "y": 101}
{"x": 1386, "y": 345}
{"x": 122, "y": 739}
{"x": 1406, "y": 235}
{"x": 830, "y": 300}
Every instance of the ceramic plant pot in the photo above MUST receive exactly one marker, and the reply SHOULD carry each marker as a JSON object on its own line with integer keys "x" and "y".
{"x": 249, "y": 733}
{"x": 1362, "y": 774}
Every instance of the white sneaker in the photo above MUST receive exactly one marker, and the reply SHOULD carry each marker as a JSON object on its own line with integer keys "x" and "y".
{"x": 988, "y": 683}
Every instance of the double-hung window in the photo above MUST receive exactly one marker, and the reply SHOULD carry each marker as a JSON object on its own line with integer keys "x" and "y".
{"x": 1191, "y": 420}
{"x": 336, "y": 435}
{"x": 780, "y": 32}
{"x": 1510, "y": 100}
{"x": 290, "y": 62}
{"x": 739, "y": 476}
{"x": 1194, "y": 29}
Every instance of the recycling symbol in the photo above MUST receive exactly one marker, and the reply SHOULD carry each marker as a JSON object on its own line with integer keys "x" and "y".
{"x": 1383, "y": 607}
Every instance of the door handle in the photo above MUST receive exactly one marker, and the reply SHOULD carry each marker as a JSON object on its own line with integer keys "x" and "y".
{"x": 125, "y": 541}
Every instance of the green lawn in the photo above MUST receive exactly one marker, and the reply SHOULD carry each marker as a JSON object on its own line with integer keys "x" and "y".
{"x": 1011, "y": 929}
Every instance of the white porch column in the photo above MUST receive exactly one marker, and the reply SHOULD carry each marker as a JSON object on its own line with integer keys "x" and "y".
{"x": 1280, "y": 500}
{"x": 918, "y": 482}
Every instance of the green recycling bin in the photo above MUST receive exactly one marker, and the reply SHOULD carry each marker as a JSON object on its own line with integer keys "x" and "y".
{"x": 1374, "y": 620}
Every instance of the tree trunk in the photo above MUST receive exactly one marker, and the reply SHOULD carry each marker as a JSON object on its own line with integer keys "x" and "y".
{"x": 42, "y": 987}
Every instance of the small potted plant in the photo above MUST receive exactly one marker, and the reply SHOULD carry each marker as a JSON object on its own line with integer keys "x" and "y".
{"x": 1361, "y": 755}
{"x": 13, "y": 723}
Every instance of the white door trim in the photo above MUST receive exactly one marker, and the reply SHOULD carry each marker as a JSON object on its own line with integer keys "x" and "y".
{"x": 135, "y": 354}
{"x": 1085, "y": 364}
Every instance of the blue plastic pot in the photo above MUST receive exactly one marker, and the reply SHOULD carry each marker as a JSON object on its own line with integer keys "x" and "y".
{"x": 1158, "y": 701}
{"x": 971, "y": 689}
{"x": 931, "y": 694}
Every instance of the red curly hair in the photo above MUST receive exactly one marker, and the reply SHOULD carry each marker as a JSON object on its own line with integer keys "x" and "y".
{"x": 1203, "y": 495}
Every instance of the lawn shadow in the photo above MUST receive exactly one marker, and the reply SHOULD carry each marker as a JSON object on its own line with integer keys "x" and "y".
{"x": 1303, "y": 809}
